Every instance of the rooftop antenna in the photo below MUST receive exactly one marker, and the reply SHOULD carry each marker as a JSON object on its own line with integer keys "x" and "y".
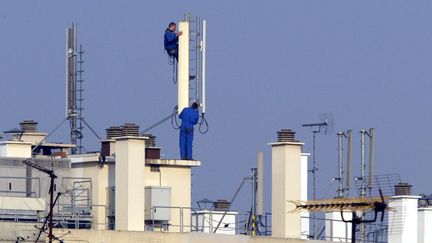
{"x": 325, "y": 125}
{"x": 340, "y": 178}
{"x": 366, "y": 182}
{"x": 50, "y": 173}
{"x": 357, "y": 206}
{"x": 71, "y": 82}
{"x": 75, "y": 89}
{"x": 349, "y": 161}
{"x": 197, "y": 66}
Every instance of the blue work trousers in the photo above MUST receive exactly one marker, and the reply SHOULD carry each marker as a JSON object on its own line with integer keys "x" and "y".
{"x": 186, "y": 138}
{"x": 173, "y": 53}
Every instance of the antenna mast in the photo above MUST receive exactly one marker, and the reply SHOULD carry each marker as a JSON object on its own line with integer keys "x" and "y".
{"x": 71, "y": 83}
{"x": 74, "y": 88}
{"x": 316, "y": 130}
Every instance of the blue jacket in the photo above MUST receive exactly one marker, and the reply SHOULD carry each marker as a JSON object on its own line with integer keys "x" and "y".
{"x": 189, "y": 117}
{"x": 170, "y": 40}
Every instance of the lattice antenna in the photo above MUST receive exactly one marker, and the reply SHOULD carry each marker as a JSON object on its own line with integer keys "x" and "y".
{"x": 80, "y": 100}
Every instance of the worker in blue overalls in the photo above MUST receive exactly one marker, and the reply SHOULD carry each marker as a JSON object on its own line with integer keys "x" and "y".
{"x": 189, "y": 117}
{"x": 171, "y": 40}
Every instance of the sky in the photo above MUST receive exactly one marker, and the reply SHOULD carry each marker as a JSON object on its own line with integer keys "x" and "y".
{"x": 270, "y": 65}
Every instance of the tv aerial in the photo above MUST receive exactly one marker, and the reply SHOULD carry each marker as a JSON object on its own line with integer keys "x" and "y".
{"x": 49, "y": 219}
{"x": 325, "y": 126}
{"x": 357, "y": 206}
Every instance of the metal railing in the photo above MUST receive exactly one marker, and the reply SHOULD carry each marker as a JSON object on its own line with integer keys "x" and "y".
{"x": 375, "y": 232}
{"x": 200, "y": 220}
{"x": 74, "y": 209}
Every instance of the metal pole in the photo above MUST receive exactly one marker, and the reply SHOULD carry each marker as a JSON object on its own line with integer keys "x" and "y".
{"x": 362, "y": 176}
{"x": 254, "y": 187}
{"x": 197, "y": 57}
{"x": 315, "y": 229}
{"x": 349, "y": 161}
{"x": 340, "y": 165}
{"x": 371, "y": 157}
{"x": 362, "y": 164}
{"x": 203, "y": 63}
{"x": 353, "y": 227}
{"x": 50, "y": 225}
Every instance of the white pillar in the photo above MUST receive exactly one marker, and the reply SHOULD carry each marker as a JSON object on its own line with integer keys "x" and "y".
{"x": 424, "y": 225}
{"x": 286, "y": 186}
{"x": 129, "y": 183}
{"x": 402, "y": 220}
{"x": 304, "y": 191}
{"x": 183, "y": 66}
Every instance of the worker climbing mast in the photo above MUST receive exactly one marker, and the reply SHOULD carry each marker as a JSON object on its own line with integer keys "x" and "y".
{"x": 185, "y": 45}
{"x": 191, "y": 41}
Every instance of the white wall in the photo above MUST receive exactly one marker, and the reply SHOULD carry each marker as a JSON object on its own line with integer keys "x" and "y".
{"x": 425, "y": 225}
{"x": 402, "y": 220}
{"x": 15, "y": 149}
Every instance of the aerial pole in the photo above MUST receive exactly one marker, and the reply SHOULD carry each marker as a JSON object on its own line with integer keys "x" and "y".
{"x": 317, "y": 128}
{"x": 349, "y": 161}
{"x": 71, "y": 83}
{"x": 75, "y": 89}
{"x": 371, "y": 135}
{"x": 340, "y": 189}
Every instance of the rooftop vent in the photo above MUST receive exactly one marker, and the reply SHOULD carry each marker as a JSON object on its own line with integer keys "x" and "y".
{"x": 403, "y": 189}
{"x": 113, "y": 132}
{"x": 221, "y": 205}
{"x": 151, "y": 141}
{"x": 28, "y": 126}
{"x": 286, "y": 135}
{"x": 130, "y": 129}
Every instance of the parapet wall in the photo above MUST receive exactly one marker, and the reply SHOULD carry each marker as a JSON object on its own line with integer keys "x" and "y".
{"x": 111, "y": 236}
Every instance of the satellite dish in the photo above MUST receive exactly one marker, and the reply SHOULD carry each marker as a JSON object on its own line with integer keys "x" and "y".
{"x": 327, "y": 119}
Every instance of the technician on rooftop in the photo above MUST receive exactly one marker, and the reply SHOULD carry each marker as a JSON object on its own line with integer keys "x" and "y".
{"x": 189, "y": 117}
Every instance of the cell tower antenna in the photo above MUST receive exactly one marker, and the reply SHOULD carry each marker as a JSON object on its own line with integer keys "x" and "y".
{"x": 75, "y": 89}
{"x": 325, "y": 125}
{"x": 71, "y": 83}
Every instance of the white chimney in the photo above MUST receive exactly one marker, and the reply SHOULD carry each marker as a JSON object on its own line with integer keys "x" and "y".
{"x": 129, "y": 183}
{"x": 286, "y": 185}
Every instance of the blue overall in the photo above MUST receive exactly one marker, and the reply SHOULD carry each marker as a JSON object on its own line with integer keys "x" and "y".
{"x": 189, "y": 117}
{"x": 171, "y": 43}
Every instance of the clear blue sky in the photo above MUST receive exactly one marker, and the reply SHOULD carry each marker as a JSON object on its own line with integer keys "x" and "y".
{"x": 271, "y": 65}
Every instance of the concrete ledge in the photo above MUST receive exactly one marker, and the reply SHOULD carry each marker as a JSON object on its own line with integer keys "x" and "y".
{"x": 111, "y": 236}
{"x": 174, "y": 162}
{"x": 285, "y": 143}
{"x": 83, "y": 158}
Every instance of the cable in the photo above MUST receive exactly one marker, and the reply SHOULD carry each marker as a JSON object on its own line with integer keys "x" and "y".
{"x": 203, "y": 124}
{"x": 174, "y": 121}
{"x": 172, "y": 61}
